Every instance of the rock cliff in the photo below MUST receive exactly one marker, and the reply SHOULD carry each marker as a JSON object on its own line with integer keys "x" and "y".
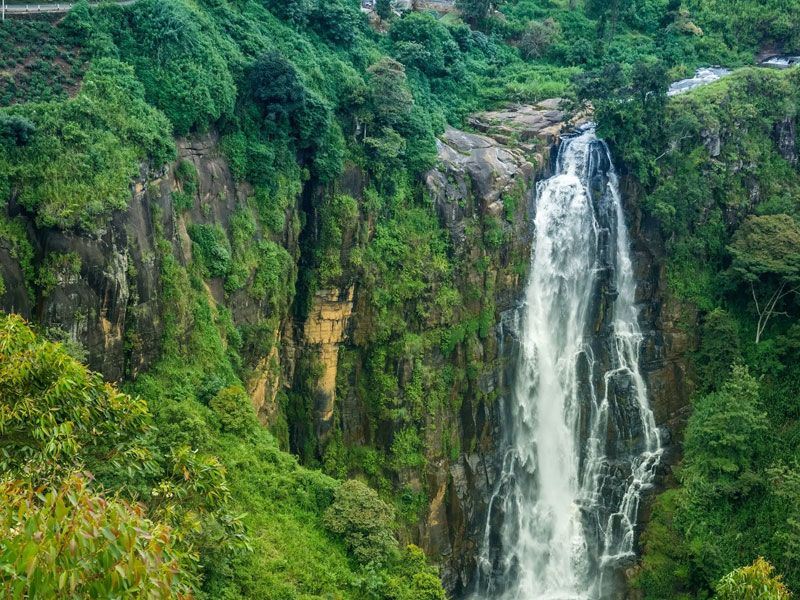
{"x": 110, "y": 303}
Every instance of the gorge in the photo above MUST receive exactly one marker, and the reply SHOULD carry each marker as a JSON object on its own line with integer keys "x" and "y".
{"x": 472, "y": 300}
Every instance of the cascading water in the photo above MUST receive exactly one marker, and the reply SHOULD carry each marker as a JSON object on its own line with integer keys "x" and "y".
{"x": 583, "y": 442}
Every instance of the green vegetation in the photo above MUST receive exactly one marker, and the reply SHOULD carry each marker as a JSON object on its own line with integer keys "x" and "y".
{"x": 754, "y": 582}
{"x": 78, "y": 164}
{"x": 58, "y": 268}
{"x": 726, "y": 197}
{"x": 161, "y": 514}
{"x": 326, "y": 125}
{"x": 114, "y": 549}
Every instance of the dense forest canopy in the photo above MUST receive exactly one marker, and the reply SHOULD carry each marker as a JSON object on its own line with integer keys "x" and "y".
{"x": 168, "y": 482}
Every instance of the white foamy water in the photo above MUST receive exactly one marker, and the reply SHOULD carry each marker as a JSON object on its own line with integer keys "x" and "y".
{"x": 701, "y": 77}
{"x": 782, "y": 62}
{"x": 583, "y": 443}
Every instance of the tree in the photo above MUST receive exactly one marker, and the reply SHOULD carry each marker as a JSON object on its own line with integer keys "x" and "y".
{"x": 719, "y": 349}
{"x": 56, "y": 415}
{"x": 336, "y": 21}
{"x": 296, "y": 11}
{"x": 415, "y": 580}
{"x": 78, "y": 23}
{"x": 475, "y": 12}
{"x": 384, "y": 9}
{"x": 422, "y": 42}
{"x": 234, "y": 410}
{"x": 389, "y": 98}
{"x": 389, "y": 105}
{"x": 766, "y": 256}
{"x": 723, "y": 437}
{"x": 16, "y": 130}
{"x": 538, "y": 38}
{"x": 754, "y": 582}
{"x": 68, "y": 541}
{"x": 630, "y": 111}
{"x": 58, "y": 421}
{"x": 608, "y": 12}
{"x": 276, "y": 85}
{"x": 364, "y": 521}
{"x": 785, "y": 489}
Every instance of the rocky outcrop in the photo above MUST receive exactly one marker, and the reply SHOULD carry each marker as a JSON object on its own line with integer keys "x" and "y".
{"x": 666, "y": 322}
{"x": 475, "y": 173}
{"x": 265, "y": 384}
{"x": 526, "y": 127}
{"x": 115, "y": 290}
{"x": 323, "y": 332}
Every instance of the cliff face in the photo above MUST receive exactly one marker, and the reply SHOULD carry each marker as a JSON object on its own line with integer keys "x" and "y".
{"x": 112, "y": 306}
{"x": 111, "y": 303}
{"x": 666, "y": 325}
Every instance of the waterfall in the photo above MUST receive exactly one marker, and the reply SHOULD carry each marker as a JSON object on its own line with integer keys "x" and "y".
{"x": 582, "y": 440}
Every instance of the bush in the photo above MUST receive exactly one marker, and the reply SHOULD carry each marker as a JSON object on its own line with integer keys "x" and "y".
{"x": 212, "y": 248}
{"x": 178, "y": 55}
{"x": 58, "y": 269}
{"x": 78, "y": 166}
{"x": 234, "y": 410}
{"x": 56, "y": 415}
{"x": 754, "y": 582}
{"x": 364, "y": 521}
{"x": 420, "y": 41}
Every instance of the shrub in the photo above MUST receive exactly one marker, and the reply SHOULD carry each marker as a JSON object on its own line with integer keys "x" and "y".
{"x": 233, "y": 409}
{"x": 186, "y": 174}
{"x": 212, "y": 248}
{"x": 56, "y": 415}
{"x": 179, "y": 58}
{"x": 754, "y": 582}
{"x": 407, "y": 449}
{"x": 364, "y": 521}
{"x": 58, "y": 269}
{"x": 78, "y": 166}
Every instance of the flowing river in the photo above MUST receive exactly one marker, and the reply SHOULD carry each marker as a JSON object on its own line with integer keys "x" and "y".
{"x": 582, "y": 440}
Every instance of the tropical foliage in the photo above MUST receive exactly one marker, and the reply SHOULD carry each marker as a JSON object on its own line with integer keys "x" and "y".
{"x": 327, "y": 121}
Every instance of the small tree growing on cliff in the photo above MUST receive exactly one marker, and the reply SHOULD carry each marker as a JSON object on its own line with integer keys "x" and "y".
{"x": 766, "y": 256}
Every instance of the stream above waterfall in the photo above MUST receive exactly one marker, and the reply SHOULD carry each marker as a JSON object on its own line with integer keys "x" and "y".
{"x": 706, "y": 75}
{"x": 582, "y": 443}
